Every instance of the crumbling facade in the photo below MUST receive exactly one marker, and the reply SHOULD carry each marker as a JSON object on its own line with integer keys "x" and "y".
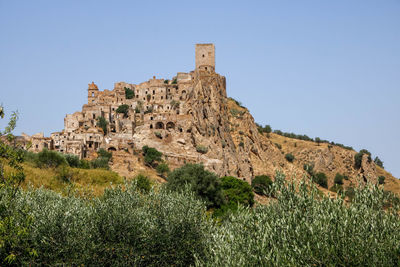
{"x": 158, "y": 107}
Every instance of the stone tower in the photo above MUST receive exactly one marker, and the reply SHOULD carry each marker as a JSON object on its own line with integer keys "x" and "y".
{"x": 205, "y": 57}
{"x": 92, "y": 92}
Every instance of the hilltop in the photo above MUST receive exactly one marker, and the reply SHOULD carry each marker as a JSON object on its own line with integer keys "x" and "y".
{"x": 190, "y": 119}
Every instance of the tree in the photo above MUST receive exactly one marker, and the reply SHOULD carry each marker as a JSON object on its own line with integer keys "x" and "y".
{"x": 151, "y": 155}
{"x": 338, "y": 179}
{"x": 11, "y": 157}
{"x": 359, "y": 156}
{"x": 102, "y": 123}
{"x": 50, "y": 159}
{"x": 124, "y": 109}
{"x": 143, "y": 183}
{"x": 162, "y": 169}
{"x": 236, "y": 192}
{"x": 320, "y": 178}
{"x": 378, "y": 162}
{"x": 14, "y": 242}
{"x": 203, "y": 183}
{"x": 381, "y": 179}
{"x": 129, "y": 93}
{"x": 318, "y": 140}
{"x": 261, "y": 184}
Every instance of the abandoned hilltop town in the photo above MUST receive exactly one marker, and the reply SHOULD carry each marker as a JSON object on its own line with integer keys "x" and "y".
{"x": 190, "y": 119}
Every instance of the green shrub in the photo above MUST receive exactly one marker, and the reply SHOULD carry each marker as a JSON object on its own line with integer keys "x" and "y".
{"x": 236, "y": 192}
{"x": 29, "y": 156}
{"x": 205, "y": 184}
{"x": 84, "y": 164}
{"x": 381, "y": 179}
{"x": 143, "y": 183}
{"x": 289, "y": 157}
{"x": 162, "y": 169}
{"x": 201, "y": 149}
{"x": 124, "y": 109}
{"x": 50, "y": 159}
{"x": 378, "y": 162}
{"x": 261, "y": 184}
{"x": 358, "y": 157}
{"x": 99, "y": 163}
{"x": 122, "y": 228}
{"x": 299, "y": 230}
{"x": 102, "y": 153}
{"x": 175, "y": 81}
{"x": 102, "y": 123}
{"x": 166, "y": 81}
{"x": 338, "y": 179}
{"x": 73, "y": 160}
{"x": 241, "y": 144}
{"x": 129, "y": 93}
{"x": 151, "y": 155}
{"x": 320, "y": 178}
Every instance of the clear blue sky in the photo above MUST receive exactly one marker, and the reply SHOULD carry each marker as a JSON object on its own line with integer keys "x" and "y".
{"x": 322, "y": 68}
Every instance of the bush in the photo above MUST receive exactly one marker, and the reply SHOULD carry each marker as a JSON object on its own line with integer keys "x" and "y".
{"x": 102, "y": 153}
{"x": 261, "y": 184}
{"x": 236, "y": 192}
{"x": 358, "y": 157}
{"x": 129, "y": 93}
{"x": 84, "y": 164}
{"x": 73, "y": 160}
{"x": 289, "y": 157}
{"x": 337, "y": 188}
{"x": 124, "y": 109}
{"x": 278, "y": 146}
{"x": 381, "y": 179}
{"x": 266, "y": 129}
{"x": 175, "y": 81}
{"x": 378, "y": 162}
{"x": 205, "y": 184}
{"x": 100, "y": 163}
{"x": 162, "y": 169}
{"x": 143, "y": 183}
{"x": 102, "y": 123}
{"x": 50, "y": 159}
{"x": 122, "y": 228}
{"x": 320, "y": 178}
{"x": 151, "y": 155}
{"x": 338, "y": 179}
{"x": 201, "y": 149}
{"x": 296, "y": 230}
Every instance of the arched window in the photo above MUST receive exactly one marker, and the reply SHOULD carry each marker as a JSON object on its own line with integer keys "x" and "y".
{"x": 159, "y": 125}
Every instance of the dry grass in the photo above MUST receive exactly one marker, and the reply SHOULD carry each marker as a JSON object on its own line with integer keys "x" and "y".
{"x": 92, "y": 181}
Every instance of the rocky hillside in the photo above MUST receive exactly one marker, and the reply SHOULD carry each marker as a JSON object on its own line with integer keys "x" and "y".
{"x": 223, "y": 136}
